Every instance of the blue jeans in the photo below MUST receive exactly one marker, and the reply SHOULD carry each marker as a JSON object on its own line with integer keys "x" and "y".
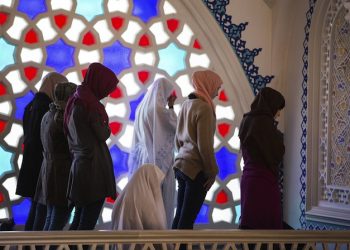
{"x": 85, "y": 217}
{"x": 36, "y": 217}
{"x": 56, "y": 218}
{"x": 190, "y": 197}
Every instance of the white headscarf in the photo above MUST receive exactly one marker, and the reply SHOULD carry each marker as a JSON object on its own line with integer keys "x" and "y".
{"x": 154, "y": 132}
{"x": 140, "y": 205}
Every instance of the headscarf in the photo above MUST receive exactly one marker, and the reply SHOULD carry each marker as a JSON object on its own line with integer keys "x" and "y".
{"x": 61, "y": 95}
{"x": 153, "y": 142}
{"x": 268, "y": 100}
{"x": 99, "y": 81}
{"x": 49, "y": 82}
{"x": 258, "y": 131}
{"x": 140, "y": 205}
{"x": 154, "y": 128}
{"x": 205, "y": 83}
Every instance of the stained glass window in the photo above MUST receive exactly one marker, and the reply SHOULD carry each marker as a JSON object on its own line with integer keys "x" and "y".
{"x": 140, "y": 41}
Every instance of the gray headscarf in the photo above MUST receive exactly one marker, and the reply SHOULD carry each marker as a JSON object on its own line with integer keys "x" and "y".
{"x": 61, "y": 95}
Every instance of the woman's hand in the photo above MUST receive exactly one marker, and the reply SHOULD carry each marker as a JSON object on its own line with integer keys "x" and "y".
{"x": 171, "y": 100}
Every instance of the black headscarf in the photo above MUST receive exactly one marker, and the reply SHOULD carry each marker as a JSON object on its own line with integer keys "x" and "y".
{"x": 267, "y": 101}
{"x": 258, "y": 132}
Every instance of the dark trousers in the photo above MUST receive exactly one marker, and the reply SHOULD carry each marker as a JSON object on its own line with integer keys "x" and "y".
{"x": 85, "y": 217}
{"x": 36, "y": 217}
{"x": 56, "y": 218}
{"x": 190, "y": 197}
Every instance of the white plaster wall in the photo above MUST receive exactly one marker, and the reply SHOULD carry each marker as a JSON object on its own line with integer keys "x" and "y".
{"x": 279, "y": 31}
{"x": 289, "y": 19}
{"x": 258, "y": 31}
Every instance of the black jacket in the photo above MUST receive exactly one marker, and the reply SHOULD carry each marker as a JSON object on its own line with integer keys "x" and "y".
{"x": 258, "y": 132}
{"x": 53, "y": 179}
{"x": 33, "y": 149}
{"x": 91, "y": 176}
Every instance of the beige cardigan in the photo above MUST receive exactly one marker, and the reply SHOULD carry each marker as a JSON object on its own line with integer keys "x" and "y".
{"x": 194, "y": 139}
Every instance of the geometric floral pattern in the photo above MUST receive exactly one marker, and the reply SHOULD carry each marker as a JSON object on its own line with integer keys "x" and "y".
{"x": 133, "y": 38}
{"x": 234, "y": 34}
{"x": 330, "y": 79}
{"x": 340, "y": 108}
{"x": 334, "y": 164}
{"x": 304, "y": 83}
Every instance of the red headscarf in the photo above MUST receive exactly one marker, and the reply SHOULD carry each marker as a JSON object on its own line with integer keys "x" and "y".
{"x": 99, "y": 81}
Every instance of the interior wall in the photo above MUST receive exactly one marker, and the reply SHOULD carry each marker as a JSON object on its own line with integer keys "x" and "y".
{"x": 282, "y": 30}
{"x": 258, "y": 32}
{"x": 279, "y": 31}
{"x": 288, "y": 36}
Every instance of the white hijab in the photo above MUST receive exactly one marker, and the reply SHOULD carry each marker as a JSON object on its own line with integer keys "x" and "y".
{"x": 154, "y": 132}
{"x": 140, "y": 205}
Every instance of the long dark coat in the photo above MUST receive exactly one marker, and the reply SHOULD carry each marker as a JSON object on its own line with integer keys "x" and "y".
{"x": 53, "y": 180}
{"x": 262, "y": 150}
{"x": 258, "y": 132}
{"x": 32, "y": 154}
{"x": 92, "y": 176}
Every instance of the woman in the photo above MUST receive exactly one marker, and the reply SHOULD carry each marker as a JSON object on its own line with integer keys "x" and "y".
{"x": 140, "y": 206}
{"x": 86, "y": 123}
{"x": 154, "y": 132}
{"x": 262, "y": 148}
{"x": 32, "y": 153}
{"x": 195, "y": 165}
{"x": 53, "y": 180}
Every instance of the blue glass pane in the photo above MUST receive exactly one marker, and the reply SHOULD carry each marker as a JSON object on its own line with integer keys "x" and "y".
{"x": 32, "y": 8}
{"x": 89, "y": 9}
{"x": 116, "y": 57}
{"x": 21, "y": 103}
{"x": 133, "y": 107}
{"x": 172, "y": 59}
{"x": 145, "y": 10}
{"x": 120, "y": 161}
{"x": 238, "y": 213}
{"x": 60, "y": 56}
{"x": 227, "y": 162}
{"x": 202, "y": 217}
{"x": 7, "y": 52}
{"x": 20, "y": 212}
{"x": 5, "y": 162}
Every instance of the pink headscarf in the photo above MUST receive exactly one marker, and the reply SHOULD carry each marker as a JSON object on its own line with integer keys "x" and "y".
{"x": 206, "y": 83}
{"x": 99, "y": 81}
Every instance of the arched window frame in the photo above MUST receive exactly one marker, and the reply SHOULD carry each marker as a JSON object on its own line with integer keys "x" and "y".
{"x": 318, "y": 207}
{"x": 224, "y": 61}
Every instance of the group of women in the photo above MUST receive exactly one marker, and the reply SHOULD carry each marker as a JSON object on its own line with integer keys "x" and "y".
{"x": 66, "y": 162}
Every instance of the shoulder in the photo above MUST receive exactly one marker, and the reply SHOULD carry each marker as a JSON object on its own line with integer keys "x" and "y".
{"x": 48, "y": 121}
{"x": 29, "y": 107}
{"x": 40, "y": 103}
{"x": 197, "y": 109}
{"x": 48, "y": 115}
{"x": 78, "y": 108}
{"x": 260, "y": 122}
{"x": 203, "y": 108}
{"x": 42, "y": 98}
{"x": 264, "y": 119}
{"x": 197, "y": 104}
{"x": 79, "y": 112}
